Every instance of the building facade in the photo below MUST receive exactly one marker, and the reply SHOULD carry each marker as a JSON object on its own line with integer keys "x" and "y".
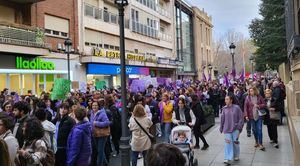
{"x": 293, "y": 87}
{"x": 32, "y": 33}
{"x": 149, "y": 39}
{"x": 203, "y": 43}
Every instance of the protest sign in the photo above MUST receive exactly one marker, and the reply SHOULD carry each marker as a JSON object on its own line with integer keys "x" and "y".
{"x": 60, "y": 89}
{"x": 82, "y": 87}
{"x": 100, "y": 84}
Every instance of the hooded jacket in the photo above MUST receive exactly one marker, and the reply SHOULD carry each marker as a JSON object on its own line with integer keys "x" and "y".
{"x": 79, "y": 148}
{"x": 49, "y": 128}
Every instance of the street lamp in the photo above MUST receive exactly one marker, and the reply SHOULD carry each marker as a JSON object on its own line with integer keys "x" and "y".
{"x": 68, "y": 44}
{"x": 124, "y": 142}
{"x": 210, "y": 68}
{"x": 232, "y": 52}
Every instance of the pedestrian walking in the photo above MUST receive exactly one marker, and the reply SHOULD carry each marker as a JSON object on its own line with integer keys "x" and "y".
{"x": 254, "y": 105}
{"x": 200, "y": 120}
{"x": 272, "y": 119}
{"x": 166, "y": 111}
{"x": 79, "y": 147}
{"x": 4, "y": 154}
{"x": 34, "y": 150}
{"x": 232, "y": 121}
{"x": 139, "y": 125}
{"x": 64, "y": 124}
{"x": 101, "y": 131}
{"x": 6, "y": 124}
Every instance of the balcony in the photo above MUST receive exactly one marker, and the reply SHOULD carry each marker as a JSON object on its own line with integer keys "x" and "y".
{"x": 165, "y": 37}
{"x": 156, "y": 7}
{"x": 25, "y": 1}
{"x": 22, "y": 37}
{"x": 102, "y": 15}
{"x": 144, "y": 29}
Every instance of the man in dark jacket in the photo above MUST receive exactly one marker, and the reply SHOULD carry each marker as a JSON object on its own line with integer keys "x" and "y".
{"x": 20, "y": 110}
{"x": 153, "y": 105}
{"x": 215, "y": 99}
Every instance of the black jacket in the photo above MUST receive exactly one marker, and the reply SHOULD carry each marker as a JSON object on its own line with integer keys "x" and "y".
{"x": 187, "y": 115}
{"x": 278, "y": 96}
{"x": 19, "y": 131}
{"x": 116, "y": 127}
{"x": 65, "y": 126}
{"x": 153, "y": 105}
{"x": 276, "y": 105}
{"x": 199, "y": 114}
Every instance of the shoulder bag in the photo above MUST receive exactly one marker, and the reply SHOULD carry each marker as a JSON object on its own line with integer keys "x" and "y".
{"x": 151, "y": 137}
{"x": 101, "y": 132}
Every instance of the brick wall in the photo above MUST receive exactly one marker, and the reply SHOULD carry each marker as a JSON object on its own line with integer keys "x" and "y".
{"x": 66, "y": 9}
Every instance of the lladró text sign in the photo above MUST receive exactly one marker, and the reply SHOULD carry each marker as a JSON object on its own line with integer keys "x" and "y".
{"x": 34, "y": 64}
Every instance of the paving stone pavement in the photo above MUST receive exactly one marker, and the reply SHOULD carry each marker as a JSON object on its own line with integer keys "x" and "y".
{"x": 249, "y": 155}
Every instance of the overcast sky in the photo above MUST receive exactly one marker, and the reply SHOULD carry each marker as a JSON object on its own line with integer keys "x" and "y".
{"x": 229, "y": 14}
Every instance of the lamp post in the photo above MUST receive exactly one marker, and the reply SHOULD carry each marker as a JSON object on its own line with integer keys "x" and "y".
{"x": 226, "y": 69}
{"x": 124, "y": 144}
{"x": 232, "y": 49}
{"x": 209, "y": 69}
{"x": 68, "y": 44}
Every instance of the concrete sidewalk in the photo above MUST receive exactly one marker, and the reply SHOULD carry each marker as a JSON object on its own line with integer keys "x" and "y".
{"x": 214, "y": 156}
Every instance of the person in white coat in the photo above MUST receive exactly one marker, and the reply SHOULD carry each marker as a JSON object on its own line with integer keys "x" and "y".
{"x": 49, "y": 129}
{"x": 139, "y": 124}
{"x": 6, "y": 123}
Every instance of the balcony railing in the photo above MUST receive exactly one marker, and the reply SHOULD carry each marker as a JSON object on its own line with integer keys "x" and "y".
{"x": 165, "y": 37}
{"x": 144, "y": 29}
{"x": 24, "y": 37}
{"x": 152, "y": 5}
{"x": 100, "y": 14}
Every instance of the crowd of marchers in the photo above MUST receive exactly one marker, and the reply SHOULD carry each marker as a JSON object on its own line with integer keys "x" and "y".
{"x": 85, "y": 128}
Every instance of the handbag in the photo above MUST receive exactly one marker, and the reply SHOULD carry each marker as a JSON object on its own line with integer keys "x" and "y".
{"x": 151, "y": 137}
{"x": 101, "y": 132}
{"x": 262, "y": 112}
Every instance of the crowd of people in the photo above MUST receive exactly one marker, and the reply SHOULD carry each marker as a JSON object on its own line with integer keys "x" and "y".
{"x": 85, "y": 128}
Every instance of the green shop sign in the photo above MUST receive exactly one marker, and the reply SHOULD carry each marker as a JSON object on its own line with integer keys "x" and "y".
{"x": 35, "y": 64}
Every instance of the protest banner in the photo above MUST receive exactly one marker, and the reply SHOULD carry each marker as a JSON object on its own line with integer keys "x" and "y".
{"x": 60, "y": 89}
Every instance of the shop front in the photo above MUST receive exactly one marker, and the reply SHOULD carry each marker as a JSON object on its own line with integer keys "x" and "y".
{"x": 109, "y": 74}
{"x": 20, "y": 73}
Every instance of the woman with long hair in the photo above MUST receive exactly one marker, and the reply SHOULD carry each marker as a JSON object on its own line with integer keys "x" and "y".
{"x": 253, "y": 104}
{"x": 34, "y": 149}
{"x": 4, "y": 154}
{"x": 140, "y": 142}
{"x": 232, "y": 121}
{"x": 166, "y": 111}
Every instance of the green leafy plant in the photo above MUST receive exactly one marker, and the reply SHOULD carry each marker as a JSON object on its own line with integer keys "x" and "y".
{"x": 39, "y": 36}
{"x": 208, "y": 110}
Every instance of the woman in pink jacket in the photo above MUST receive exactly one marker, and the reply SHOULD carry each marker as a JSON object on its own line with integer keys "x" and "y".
{"x": 253, "y": 104}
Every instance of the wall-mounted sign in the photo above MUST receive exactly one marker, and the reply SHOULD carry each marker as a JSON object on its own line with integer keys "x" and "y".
{"x": 163, "y": 61}
{"x": 105, "y": 69}
{"x": 129, "y": 56}
{"x": 35, "y": 64}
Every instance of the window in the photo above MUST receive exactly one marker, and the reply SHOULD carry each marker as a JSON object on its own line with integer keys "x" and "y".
{"x": 86, "y": 43}
{"x": 89, "y": 10}
{"x": 92, "y": 36}
{"x": 100, "y": 45}
{"x": 111, "y": 47}
{"x": 56, "y": 26}
{"x": 117, "y": 48}
{"x": 106, "y": 46}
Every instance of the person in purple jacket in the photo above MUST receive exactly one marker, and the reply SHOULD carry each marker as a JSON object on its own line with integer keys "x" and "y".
{"x": 99, "y": 119}
{"x": 79, "y": 147}
{"x": 232, "y": 121}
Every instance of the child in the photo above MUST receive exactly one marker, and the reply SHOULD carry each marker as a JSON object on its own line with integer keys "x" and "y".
{"x": 182, "y": 138}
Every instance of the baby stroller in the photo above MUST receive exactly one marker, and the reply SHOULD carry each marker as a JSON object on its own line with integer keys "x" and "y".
{"x": 184, "y": 145}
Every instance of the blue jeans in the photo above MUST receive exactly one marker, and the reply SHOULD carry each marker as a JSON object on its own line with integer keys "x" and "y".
{"x": 257, "y": 130}
{"x": 135, "y": 155}
{"x": 100, "y": 144}
{"x": 232, "y": 145}
{"x": 167, "y": 131}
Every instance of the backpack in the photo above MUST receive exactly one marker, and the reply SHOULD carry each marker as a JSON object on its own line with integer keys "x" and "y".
{"x": 49, "y": 160}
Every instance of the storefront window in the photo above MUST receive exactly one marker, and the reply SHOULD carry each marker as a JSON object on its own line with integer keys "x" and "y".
{"x": 2, "y": 82}
{"x": 15, "y": 83}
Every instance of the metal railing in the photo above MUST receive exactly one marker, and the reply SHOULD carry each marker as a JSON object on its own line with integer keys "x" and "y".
{"x": 156, "y": 7}
{"x": 165, "y": 37}
{"x": 18, "y": 36}
{"x": 143, "y": 29}
{"x": 100, "y": 14}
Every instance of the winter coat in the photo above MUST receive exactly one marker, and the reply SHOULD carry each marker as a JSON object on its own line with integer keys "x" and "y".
{"x": 279, "y": 97}
{"x": 12, "y": 145}
{"x": 18, "y": 132}
{"x": 36, "y": 151}
{"x": 100, "y": 119}
{"x": 248, "y": 107}
{"x": 65, "y": 126}
{"x": 166, "y": 112}
{"x": 188, "y": 115}
{"x": 116, "y": 129}
{"x": 231, "y": 119}
{"x": 79, "y": 148}
{"x": 140, "y": 140}
{"x": 153, "y": 105}
{"x": 269, "y": 120}
{"x": 199, "y": 114}
{"x": 49, "y": 129}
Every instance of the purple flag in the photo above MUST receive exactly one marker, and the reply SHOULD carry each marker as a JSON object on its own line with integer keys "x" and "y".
{"x": 203, "y": 77}
{"x": 226, "y": 81}
{"x": 209, "y": 77}
{"x": 242, "y": 77}
{"x": 233, "y": 73}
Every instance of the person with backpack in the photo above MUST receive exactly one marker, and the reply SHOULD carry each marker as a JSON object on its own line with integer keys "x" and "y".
{"x": 64, "y": 124}
{"x": 6, "y": 123}
{"x": 34, "y": 151}
{"x": 79, "y": 147}
{"x": 116, "y": 128}
{"x": 49, "y": 128}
